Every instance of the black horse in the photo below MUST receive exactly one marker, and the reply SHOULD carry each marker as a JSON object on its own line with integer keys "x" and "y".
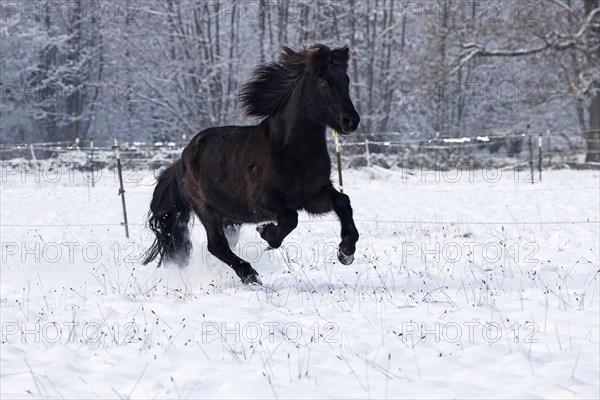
{"x": 232, "y": 175}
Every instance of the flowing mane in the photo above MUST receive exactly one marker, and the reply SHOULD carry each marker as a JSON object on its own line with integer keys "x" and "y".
{"x": 271, "y": 83}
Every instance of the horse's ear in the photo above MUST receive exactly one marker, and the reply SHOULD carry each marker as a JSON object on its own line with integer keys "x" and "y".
{"x": 341, "y": 56}
{"x": 343, "y": 53}
{"x": 320, "y": 57}
{"x": 288, "y": 54}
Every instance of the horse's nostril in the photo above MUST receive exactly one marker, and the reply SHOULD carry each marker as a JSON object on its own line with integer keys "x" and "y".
{"x": 347, "y": 122}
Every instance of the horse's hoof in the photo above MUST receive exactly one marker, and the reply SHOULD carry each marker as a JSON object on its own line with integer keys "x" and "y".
{"x": 251, "y": 279}
{"x": 344, "y": 258}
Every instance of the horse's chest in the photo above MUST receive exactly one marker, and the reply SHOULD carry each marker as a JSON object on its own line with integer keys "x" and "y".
{"x": 304, "y": 181}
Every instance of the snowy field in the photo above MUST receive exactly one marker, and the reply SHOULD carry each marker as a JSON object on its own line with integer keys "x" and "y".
{"x": 470, "y": 284}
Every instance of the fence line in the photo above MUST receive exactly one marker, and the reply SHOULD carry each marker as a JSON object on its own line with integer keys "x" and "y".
{"x": 408, "y": 222}
{"x": 436, "y": 135}
{"x": 448, "y": 143}
{"x": 388, "y": 143}
{"x": 75, "y": 145}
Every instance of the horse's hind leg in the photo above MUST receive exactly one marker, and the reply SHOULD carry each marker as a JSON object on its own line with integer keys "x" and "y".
{"x": 219, "y": 247}
{"x": 287, "y": 221}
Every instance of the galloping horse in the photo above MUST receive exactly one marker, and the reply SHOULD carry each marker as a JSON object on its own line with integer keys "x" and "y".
{"x": 264, "y": 173}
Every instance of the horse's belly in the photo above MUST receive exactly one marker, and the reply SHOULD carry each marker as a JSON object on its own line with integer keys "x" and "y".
{"x": 303, "y": 195}
{"x": 238, "y": 209}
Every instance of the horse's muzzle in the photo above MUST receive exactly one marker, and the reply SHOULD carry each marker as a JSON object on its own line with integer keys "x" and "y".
{"x": 348, "y": 122}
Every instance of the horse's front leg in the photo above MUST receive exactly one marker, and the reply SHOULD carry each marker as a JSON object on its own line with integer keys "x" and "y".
{"x": 341, "y": 206}
{"x": 287, "y": 221}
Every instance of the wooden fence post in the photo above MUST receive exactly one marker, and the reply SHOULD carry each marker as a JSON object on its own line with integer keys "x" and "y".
{"x": 92, "y": 160}
{"x": 367, "y": 153}
{"x": 121, "y": 189}
{"x": 540, "y": 155}
{"x": 531, "y": 155}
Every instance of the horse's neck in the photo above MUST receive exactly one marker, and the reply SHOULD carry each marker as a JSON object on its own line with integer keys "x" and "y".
{"x": 300, "y": 136}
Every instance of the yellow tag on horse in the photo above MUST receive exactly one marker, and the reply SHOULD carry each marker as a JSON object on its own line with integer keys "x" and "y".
{"x": 335, "y": 133}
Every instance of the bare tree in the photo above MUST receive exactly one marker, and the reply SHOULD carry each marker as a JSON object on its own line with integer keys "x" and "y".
{"x": 570, "y": 28}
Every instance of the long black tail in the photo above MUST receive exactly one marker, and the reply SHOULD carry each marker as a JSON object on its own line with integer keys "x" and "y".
{"x": 168, "y": 219}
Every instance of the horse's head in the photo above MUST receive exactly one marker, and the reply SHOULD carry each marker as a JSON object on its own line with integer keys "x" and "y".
{"x": 326, "y": 86}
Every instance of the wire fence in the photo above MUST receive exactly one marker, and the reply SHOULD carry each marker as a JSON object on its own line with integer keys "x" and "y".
{"x": 334, "y": 221}
{"x": 532, "y": 150}
{"x": 357, "y": 150}
{"x": 479, "y": 140}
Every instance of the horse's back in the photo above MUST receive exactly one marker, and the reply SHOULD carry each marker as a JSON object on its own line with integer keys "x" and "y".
{"x": 223, "y": 163}
{"x": 239, "y": 173}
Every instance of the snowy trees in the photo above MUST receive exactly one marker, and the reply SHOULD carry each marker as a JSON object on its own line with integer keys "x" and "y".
{"x": 563, "y": 48}
{"x": 53, "y": 82}
{"x": 159, "y": 69}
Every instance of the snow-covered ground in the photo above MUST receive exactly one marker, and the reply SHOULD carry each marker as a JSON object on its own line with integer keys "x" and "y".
{"x": 470, "y": 284}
